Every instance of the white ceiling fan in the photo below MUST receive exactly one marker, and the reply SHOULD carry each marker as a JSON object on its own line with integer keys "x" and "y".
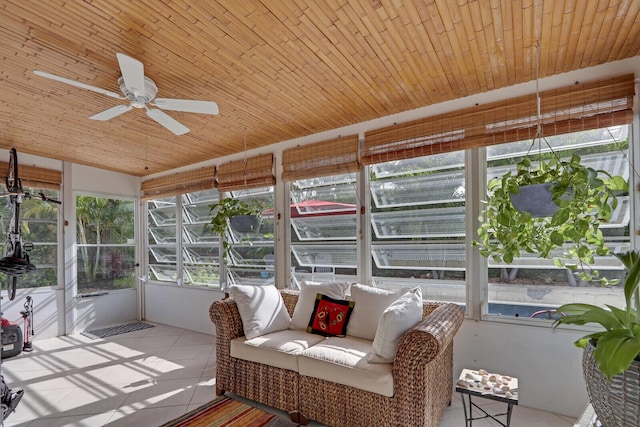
{"x": 141, "y": 92}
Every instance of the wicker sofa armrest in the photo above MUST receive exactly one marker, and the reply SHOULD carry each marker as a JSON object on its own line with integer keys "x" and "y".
{"x": 422, "y": 343}
{"x": 225, "y": 315}
{"x": 423, "y": 366}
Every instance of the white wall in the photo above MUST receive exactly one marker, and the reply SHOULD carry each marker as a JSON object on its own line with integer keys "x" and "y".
{"x": 99, "y": 181}
{"x": 183, "y": 307}
{"x": 545, "y": 361}
{"x": 45, "y": 310}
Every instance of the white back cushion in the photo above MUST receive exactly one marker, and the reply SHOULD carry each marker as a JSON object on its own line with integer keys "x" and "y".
{"x": 399, "y": 317}
{"x": 370, "y": 303}
{"x": 261, "y": 308}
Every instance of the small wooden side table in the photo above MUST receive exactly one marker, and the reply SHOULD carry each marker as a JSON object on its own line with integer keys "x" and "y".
{"x": 481, "y": 383}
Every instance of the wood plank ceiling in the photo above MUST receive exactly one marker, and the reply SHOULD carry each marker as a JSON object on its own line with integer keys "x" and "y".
{"x": 279, "y": 69}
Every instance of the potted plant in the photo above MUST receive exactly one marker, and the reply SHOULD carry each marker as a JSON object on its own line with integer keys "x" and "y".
{"x": 583, "y": 197}
{"x": 611, "y": 361}
{"x": 243, "y": 217}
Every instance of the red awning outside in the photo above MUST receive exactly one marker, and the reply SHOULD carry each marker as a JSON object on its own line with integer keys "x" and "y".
{"x": 311, "y": 208}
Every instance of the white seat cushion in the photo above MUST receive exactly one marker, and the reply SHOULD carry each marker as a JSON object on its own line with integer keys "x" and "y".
{"x": 277, "y": 349}
{"x": 343, "y": 361}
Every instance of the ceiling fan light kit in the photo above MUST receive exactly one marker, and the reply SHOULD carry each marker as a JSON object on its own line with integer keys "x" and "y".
{"x": 141, "y": 92}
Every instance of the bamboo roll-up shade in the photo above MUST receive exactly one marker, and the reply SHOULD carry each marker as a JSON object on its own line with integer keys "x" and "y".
{"x": 332, "y": 157}
{"x": 179, "y": 183}
{"x": 34, "y": 177}
{"x": 578, "y": 107}
{"x": 254, "y": 172}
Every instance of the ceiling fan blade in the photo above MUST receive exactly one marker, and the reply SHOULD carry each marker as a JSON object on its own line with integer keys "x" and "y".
{"x": 132, "y": 73}
{"x": 78, "y": 84}
{"x": 167, "y": 121}
{"x": 111, "y": 112}
{"x": 187, "y": 105}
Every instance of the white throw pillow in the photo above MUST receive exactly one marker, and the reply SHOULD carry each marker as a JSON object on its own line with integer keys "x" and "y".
{"x": 307, "y": 299}
{"x": 370, "y": 303}
{"x": 261, "y": 308}
{"x": 402, "y": 315}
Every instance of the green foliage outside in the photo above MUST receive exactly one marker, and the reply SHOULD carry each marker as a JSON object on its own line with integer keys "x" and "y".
{"x": 106, "y": 258}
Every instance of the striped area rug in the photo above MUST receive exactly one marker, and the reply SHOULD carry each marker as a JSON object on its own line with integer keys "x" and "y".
{"x": 227, "y": 412}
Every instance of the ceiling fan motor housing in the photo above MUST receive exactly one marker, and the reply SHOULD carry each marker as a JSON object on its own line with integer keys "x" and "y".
{"x": 139, "y": 99}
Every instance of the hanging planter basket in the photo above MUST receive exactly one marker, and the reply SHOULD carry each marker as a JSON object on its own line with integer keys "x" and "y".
{"x": 245, "y": 223}
{"x": 556, "y": 205}
{"x": 536, "y": 199}
{"x": 615, "y": 402}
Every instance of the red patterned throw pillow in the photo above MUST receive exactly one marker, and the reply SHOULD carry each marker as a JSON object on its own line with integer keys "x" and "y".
{"x": 330, "y": 316}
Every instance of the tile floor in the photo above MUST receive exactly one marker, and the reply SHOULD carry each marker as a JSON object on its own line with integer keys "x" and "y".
{"x": 144, "y": 378}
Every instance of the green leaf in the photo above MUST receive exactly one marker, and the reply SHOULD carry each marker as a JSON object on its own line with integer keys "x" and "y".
{"x": 560, "y": 217}
{"x": 582, "y": 314}
{"x": 557, "y": 238}
{"x": 615, "y": 352}
{"x": 617, "y": 183}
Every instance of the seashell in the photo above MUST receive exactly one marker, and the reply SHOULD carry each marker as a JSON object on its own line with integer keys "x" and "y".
{"x": 508, "y": 394}
{"x": 507, "y": 377}
{"x": 492, "y": 378}
{"x": 498, "y": 390}
{"x": 484, "y": 379}
{"x": 461, "y": 383}
{"x": 505, "y": 388}
{"x": 487, "y": 387}
{"x": 472, "y": 377}
{"x": 482, "y": 372}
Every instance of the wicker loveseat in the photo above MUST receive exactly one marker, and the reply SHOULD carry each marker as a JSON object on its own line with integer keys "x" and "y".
{"x": 422, "y": 373}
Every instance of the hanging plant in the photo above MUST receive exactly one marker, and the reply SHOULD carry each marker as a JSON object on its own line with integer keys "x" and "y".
{"x": 584, "y": 199}
{"x": 230, "y": 211}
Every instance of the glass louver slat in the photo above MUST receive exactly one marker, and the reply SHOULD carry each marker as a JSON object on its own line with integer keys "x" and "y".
{"x": 328, "y": 227}
{"x": 419, "y": 190}
{"x": 200, "y": 197}
{"x": 452, "y": 160}
{"x": 558, "y": 143}
{"x": 614, "y": 163}
{"x": 248, "y": 254}
{"x": 527, "y": 260}
{"x": 198, "y": 233}
{"x": 434, "y": 223}
{"x": 343, "y": 193}
{"x": 163, "y": 254}
{"x": 264, "y": 234}
{"x": 163, "y": 216}
{"x": 325, "y": 255}
{"x": 196, "y": 214}
{"x": 427, "y": 256}
{"x": 331, "y": 181}
{"x": 201, "y": 255}
{"x": 163, "y": 273}
{"x": 162, "y": 235}
{"x": 200, "y": 275}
